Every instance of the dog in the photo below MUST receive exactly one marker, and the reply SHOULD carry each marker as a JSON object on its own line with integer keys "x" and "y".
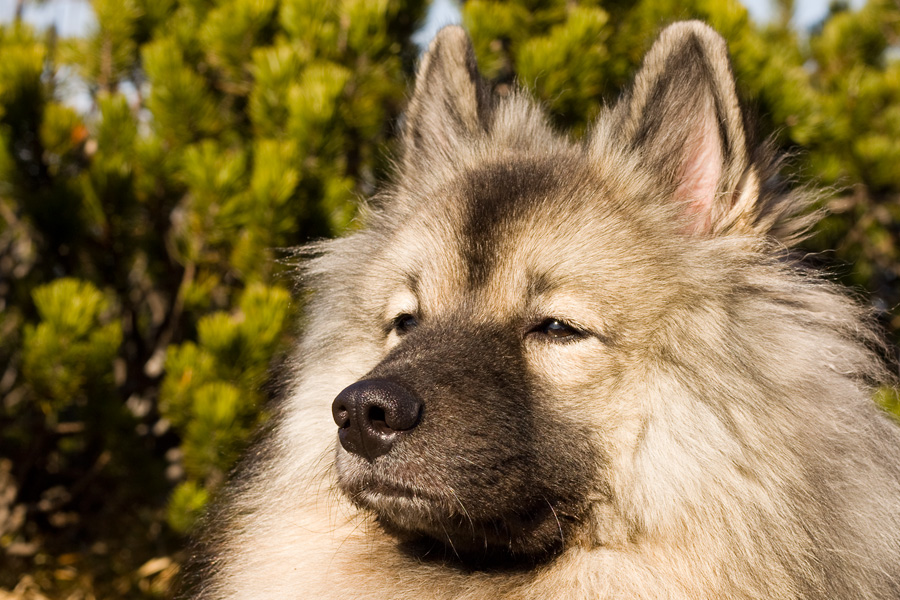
{"x": 546, "y": 369}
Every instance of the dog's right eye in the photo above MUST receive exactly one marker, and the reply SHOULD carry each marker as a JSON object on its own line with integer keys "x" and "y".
{"x": 403, "y": 323}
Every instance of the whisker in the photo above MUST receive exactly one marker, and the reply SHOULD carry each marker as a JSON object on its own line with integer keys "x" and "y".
{"x": 463, "y": 507}
{"x": 450, "y": 541}
{"x": 562, "y": 537}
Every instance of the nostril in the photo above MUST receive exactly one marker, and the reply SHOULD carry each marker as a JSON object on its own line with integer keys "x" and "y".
{"x": 371, "y": 414}
{"x": 341, "y": 415}
{"x": 378, "y": 420}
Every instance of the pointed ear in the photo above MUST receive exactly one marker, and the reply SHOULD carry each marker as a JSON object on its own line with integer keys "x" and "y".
{"x": 451, "y": 102}
{"x": 683, "y": 117}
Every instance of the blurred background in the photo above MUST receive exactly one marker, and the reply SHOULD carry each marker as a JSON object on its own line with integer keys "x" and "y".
{"x": 159, "y": 158}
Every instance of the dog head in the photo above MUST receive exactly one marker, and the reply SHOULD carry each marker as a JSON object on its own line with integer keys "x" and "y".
{"x": 518, "y": 291}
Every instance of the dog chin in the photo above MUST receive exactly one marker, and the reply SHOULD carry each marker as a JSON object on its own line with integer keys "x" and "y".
{"x": 430, "y": 526}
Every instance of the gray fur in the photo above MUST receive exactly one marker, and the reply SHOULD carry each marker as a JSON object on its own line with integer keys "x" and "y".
{"x": 709, "y": 432}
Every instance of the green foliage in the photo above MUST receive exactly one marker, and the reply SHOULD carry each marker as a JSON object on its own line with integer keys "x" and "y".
{"x": 184, "y": 107}
{"x": 889, "y": 399}
{"x": 142, "y": 306}
{"x": 566, "y": 67}
{"x": 211, "y": 392}
{"x": 186, "y": 506}
{"x": 71, "y": 351}
{"x": 20, "y": 71}
{"x": 109, "y": 57}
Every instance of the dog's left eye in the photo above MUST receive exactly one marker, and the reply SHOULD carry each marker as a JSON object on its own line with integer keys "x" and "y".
{"x": 556, "y": 330}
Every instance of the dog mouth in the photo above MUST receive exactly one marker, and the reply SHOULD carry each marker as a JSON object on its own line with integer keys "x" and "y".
{"x": 436, "y": 475}
{"x": 439, "y": 523}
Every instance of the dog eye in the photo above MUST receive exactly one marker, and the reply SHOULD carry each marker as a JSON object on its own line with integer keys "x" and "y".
{"x": 556, "y": 330}
{"x": 403, "y": 323}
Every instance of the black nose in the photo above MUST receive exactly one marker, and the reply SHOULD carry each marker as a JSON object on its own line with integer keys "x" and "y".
{"x": 372, "y": 413}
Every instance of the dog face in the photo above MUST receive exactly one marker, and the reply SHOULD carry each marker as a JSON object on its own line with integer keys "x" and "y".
{"x": 468, "y": 431}
{"x": 523, "y": 284}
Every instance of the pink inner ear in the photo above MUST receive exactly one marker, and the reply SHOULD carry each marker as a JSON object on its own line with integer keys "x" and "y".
{"x": 700, "y": 174}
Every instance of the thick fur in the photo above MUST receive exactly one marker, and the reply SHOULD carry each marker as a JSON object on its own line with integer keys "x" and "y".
{"x": 703, "y": 428}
